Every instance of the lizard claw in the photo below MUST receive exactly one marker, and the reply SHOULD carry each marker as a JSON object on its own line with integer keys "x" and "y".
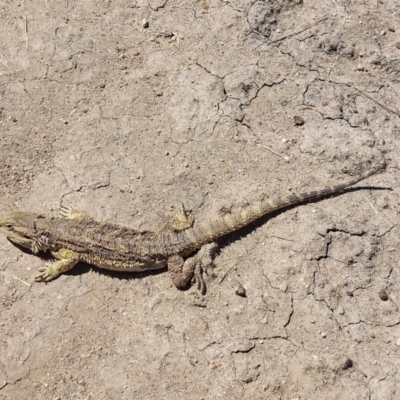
{"x": 71, "y": 213}
{"x": 198, "y": 278}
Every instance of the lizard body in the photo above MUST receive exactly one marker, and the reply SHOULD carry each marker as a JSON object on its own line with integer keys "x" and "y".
{"x": 79, "y": 238}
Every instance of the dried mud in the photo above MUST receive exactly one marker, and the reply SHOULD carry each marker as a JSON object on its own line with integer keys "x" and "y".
{"x": 128, "y": 109}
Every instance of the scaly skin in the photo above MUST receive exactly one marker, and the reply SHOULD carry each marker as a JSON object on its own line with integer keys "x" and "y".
{"x": 78, "y": 237}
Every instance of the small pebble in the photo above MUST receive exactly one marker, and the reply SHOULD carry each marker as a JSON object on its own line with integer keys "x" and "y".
{"x": 348, "y": 364}
{"x": 283, "y": 286}
{"x": 298, "y": 121}
{"x": 383, "y": 295}
{"x": 340, "y": 310}
{"x": 145, "y": 23}
{"x": 240, "y": 290}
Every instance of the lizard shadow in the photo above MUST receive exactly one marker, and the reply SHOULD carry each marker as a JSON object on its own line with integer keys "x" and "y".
{"x": 82, "y": 268}
{"x": 222, "y": 242}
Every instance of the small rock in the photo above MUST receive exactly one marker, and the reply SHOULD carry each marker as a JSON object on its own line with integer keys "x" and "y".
{"x": 240, "y": 290}
{"x": 298, "y": 121}
{"x": 360, "y": 67}
{"x": 391, "y": 29}
{"x": 383, "y": 295}
{"x": 340, "y": 310}
{"x": 398, "y": 342}
{"x": 145, "y": 23}
{"x": 348, "y": 364}
{"x": 283, "y": 286}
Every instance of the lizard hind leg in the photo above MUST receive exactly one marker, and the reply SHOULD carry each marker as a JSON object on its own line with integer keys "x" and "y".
{"x": 71, "y": 213}
{"x": 182, "y": 271}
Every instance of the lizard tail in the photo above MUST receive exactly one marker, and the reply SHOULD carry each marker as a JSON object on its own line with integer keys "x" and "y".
{"x": 209, "y": 230}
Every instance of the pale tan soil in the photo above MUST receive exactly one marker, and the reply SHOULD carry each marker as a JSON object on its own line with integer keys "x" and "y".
{"x": 125, "y": 122}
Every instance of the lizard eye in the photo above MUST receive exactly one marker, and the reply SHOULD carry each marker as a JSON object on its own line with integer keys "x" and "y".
{"x": 9, "y": 226}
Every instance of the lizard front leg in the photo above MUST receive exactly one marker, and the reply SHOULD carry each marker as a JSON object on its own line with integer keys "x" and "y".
{"x": 71, "y": 213}
{"x": 67, "y": 260}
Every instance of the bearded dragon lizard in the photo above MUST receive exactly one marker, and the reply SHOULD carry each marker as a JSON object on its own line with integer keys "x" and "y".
{"x": 77, "y": 237}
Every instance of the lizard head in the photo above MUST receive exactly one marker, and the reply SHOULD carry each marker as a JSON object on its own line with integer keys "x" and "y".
{"x": 20, "y": 228}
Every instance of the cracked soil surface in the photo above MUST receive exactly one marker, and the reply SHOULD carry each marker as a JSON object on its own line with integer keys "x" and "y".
{"x": 126, "y": 109}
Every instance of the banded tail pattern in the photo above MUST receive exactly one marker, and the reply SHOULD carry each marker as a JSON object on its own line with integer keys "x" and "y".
{"x": 209, "y": 230}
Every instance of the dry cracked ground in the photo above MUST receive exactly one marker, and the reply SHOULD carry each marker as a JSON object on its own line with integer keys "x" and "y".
{"x": 126, "y": 109}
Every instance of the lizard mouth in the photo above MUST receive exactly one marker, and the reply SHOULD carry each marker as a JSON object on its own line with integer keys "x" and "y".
{"x": 20, "y": 241}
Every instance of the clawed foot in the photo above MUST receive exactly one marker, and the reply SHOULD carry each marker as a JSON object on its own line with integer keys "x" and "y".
{"x": 71, "y": 213}
{"x": 183, "y": 219}
{"x": 47, "y": 273}
{"x": 182, "y": 271}
{"x": 52, "y": 270}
